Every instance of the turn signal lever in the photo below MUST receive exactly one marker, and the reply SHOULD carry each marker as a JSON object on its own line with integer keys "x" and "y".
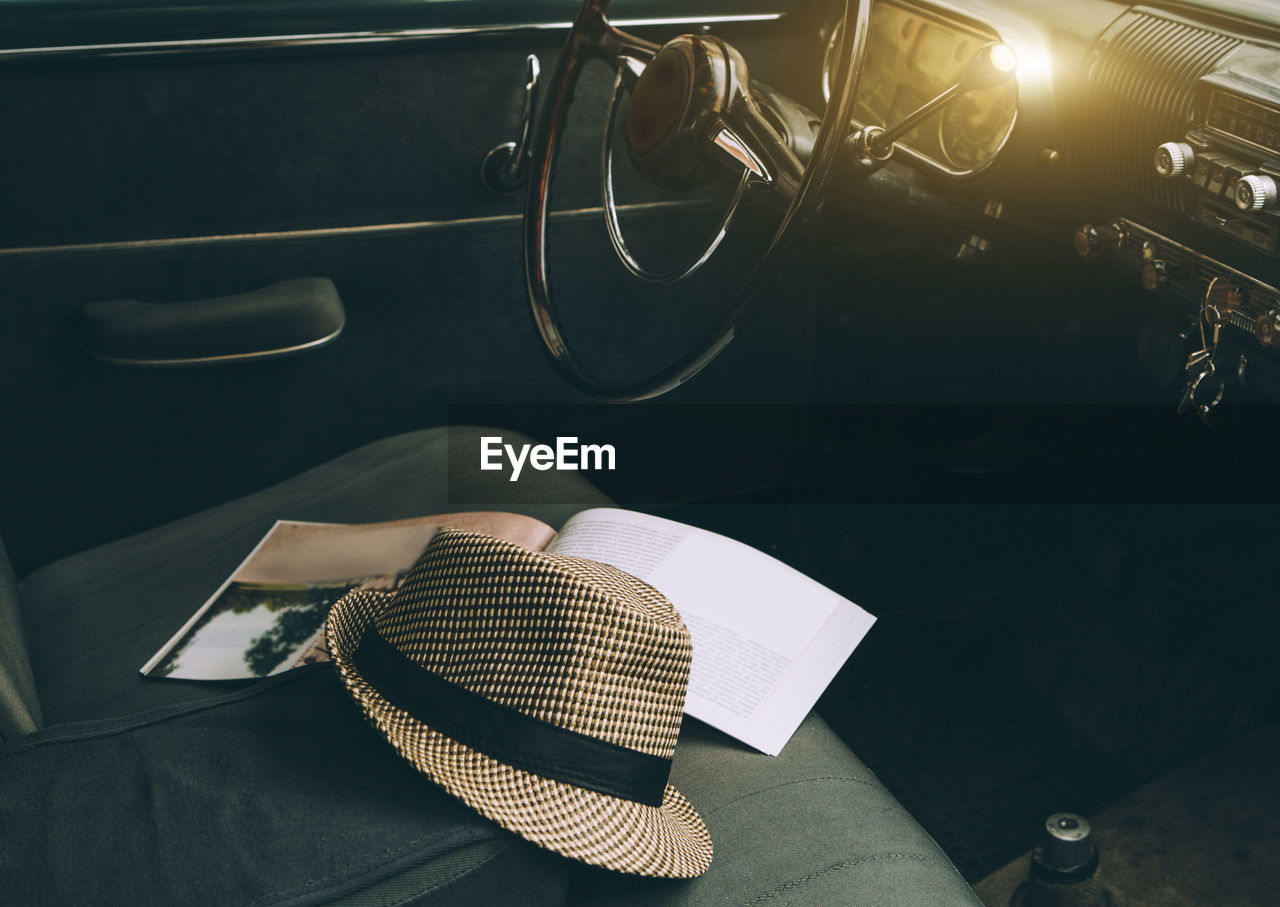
{"x": 992, "y": 65}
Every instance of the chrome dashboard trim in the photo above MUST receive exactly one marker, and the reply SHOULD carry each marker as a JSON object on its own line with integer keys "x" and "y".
{"x": 393, "y": 229}
{"x": 388, "y": 36}
{"x": 949, "y": 17}
{"x": 1136, "y": 229}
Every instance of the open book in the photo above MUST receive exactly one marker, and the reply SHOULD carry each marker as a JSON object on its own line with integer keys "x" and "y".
{"x": 766, "y": 639}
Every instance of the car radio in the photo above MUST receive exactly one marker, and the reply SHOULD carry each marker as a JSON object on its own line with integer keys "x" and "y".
{"x": 1233, "y": 159}
{"x": 1223, "y": 175}
{"x": 1230, "y": 162}
{"x": 1226, "y": 172}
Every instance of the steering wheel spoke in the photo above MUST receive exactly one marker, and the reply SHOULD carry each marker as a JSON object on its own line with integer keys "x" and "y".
{"x": 630, "y": 69}
{"x": 627, "y": 51}
{"x": 596, "y": 37}
{"x": 734, "y": 153}
{"x": 746, "y": 139}
{"x": 614, "y": 225}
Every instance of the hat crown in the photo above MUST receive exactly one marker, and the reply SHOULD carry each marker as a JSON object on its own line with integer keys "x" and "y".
{"x": 544, "y": 691}
{"x": 570, "y": 642}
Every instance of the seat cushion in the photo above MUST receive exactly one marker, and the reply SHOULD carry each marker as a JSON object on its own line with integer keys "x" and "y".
{"x": 94, "y": 618}
{"x": 278, "y": 794}
{"x": 810, "y": 826}
{"x": 19, "y": 706}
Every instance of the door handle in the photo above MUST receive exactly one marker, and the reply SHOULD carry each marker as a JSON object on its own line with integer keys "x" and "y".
{"x": 506, "y": 167}
{"x": 289, "y": 317}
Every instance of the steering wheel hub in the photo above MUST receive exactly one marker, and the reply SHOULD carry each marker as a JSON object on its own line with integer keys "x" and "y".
{"x": 660, "y": 101}
{"x": 683, "y": 91}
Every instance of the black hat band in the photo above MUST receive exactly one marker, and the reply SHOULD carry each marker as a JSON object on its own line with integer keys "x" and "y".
{"x": 506, "y": 734}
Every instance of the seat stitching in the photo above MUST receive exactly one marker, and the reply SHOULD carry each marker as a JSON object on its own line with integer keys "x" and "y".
{"x": 795, "y": 883}
{"x": 762, "y": 790}
{"x": 370, "y": 865}
{"x": 462, "y": 875}
{"x": 95, "y": 729}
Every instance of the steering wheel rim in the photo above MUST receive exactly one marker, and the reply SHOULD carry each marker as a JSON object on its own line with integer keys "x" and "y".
{"x": 614, "y": 225}
{"x": 592, "y": 37}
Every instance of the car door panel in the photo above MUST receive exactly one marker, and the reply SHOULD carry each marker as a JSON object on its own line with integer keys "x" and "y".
{"x": 177, "y": 171}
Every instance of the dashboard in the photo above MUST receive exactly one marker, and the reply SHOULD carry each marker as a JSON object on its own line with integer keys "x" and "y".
{"x": 1157, "y": 128}
{"x": 1184, "y": 160}
{"x": 913, "y": 54}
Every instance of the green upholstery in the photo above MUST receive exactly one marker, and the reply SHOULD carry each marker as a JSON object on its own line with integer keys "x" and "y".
{"x": 277, "y": 794}
{"x": 94, "y": 618}
{"x": 19, "y": 707}
{"x": 812, "y": 826}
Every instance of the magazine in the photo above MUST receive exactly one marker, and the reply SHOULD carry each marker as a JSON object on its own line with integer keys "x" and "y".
{"x": 767, "y": 640}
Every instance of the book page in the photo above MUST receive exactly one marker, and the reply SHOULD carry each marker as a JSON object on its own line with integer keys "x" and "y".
{"x": 515, "y": 528}
{"x": 767, "y": 640}
{"x": 268, "y": 616}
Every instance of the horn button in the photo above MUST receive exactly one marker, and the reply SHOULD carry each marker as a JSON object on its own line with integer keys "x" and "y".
{"x": 683, "y": 90}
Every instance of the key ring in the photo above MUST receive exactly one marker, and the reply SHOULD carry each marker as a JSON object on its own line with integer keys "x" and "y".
{"x": 1201, "y": 362}
{"x": 1204, "y": 408}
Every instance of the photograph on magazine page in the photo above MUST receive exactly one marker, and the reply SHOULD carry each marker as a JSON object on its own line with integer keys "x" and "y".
{"x": 653, "y": 452}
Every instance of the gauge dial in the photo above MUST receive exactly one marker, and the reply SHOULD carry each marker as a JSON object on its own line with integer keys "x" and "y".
{"x": 913, "y": 55}
{"x": 973, "y": 127}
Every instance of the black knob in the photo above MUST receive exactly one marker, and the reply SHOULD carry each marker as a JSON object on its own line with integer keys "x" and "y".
{"x": 1066, "y": 843}
{"x": 1157, "y": 273}
{"x": 1266, "y": 328}
{"x": 1064, "y": 867}
{"x": 1090, "y": 241}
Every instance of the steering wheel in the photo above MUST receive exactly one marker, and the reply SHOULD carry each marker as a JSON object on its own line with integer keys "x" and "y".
{"x": 692, "y": 109}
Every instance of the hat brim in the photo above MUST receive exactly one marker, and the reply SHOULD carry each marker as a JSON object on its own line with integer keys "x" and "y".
{"x": 669, "y": 841}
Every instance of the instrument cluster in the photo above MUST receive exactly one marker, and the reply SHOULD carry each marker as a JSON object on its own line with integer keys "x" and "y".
{"x": 914, "y": 54}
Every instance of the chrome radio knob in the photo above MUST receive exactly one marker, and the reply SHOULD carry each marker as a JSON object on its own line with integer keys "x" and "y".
{"x": 1174, "y": 159}
{"x": 1256, "y": 192}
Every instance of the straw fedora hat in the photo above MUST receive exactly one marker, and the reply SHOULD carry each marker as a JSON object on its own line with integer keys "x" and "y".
{"x": 544, "y": 691}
